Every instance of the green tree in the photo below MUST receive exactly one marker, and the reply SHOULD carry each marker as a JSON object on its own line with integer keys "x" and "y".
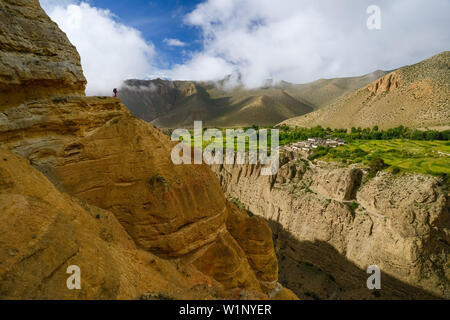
{"x": 376, "y": 165}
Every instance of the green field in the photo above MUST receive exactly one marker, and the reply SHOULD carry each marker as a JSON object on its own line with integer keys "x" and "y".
{"x": 421, "y": 156}
{"x": 428, "y": 157}
{"x": 213, "y": 143}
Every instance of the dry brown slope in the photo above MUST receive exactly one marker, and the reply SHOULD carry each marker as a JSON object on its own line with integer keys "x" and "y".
{"x": 178, "y": 104}
{"x": 415, "y": 96}
{"x": 173, "y": 104}
{"x": 324, "y": 91}
{"x": 264, "y": 110}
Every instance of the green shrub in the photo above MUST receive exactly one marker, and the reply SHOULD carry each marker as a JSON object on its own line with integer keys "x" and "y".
{"x": 353, "y": 206}
{"x": 396, "y": 170}
{"x": 376, "y": 165}
{"x": 158, "y": 183}
{"x": 238, "y": 204}
{"x": 156, "y": 296}
{"x": 319, "y": 153}
{"x": 156, "y": 180}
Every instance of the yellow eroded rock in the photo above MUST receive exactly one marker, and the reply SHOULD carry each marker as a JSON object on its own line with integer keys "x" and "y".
{"x": 43, "y": 232}
{"x": 36, "y": 58}
{"x": 106, "y": 195}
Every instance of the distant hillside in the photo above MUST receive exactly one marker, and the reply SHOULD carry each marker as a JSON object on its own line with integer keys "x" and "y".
{"x": 324, "y": 91}
{"x": 173, "y": 104}
{"x": 415, "y": 96}
{"x": 170, "y": 104}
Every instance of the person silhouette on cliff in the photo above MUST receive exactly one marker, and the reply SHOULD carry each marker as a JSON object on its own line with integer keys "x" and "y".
{"x": 115, "y": 92}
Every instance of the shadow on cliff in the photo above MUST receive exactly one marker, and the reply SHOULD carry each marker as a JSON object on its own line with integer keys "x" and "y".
{"x": 316, "y": 270}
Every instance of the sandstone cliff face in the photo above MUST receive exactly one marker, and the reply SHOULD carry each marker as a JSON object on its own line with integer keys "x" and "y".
{"x": 110, "y": 201}
{"x": 36, "y": 58}
{"x": 94, "y": 150}
{"x": 43, "y": 231}
{"x": 331, "y": 223}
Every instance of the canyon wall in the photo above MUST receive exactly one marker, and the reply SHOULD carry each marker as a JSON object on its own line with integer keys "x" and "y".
{"x": 331, "y": 222}
{"x": 83, "y": 182}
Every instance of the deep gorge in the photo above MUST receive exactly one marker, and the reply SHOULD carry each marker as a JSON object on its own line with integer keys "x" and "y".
{"x": 330, "y": 222}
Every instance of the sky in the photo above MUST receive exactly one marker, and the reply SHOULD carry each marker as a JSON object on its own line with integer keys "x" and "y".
{"x": 251, "y": 40}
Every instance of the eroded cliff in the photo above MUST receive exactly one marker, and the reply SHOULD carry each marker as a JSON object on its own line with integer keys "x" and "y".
{"x": 85, "y": 183}
{"x": 36, "y": 58}
{"x": 43, "y": 231}
{"x": 332, "y": 222}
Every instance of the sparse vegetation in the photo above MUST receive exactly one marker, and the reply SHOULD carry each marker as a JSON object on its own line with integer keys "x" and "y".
{"x": 158, "y": 181}
{"x": 353, "y": 207}
{"x": 307, "y": 187}
{"x": 238, "y": 203}
{"x": 242, "y": 206}
{"x": 156, "y": 296}
{"x": 396, "y": 170}
{"x": 376, "y": 165}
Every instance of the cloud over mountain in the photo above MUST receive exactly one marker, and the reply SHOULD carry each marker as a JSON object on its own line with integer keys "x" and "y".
{"x": 303, "y": 40}
{"x": 292, "y": 40}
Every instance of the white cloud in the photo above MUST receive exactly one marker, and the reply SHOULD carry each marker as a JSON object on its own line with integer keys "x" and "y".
{"x": 200, "y": 67}
{"x": 174, "y": 43}
{"x": 110, "y": 51}
{"x": 303, "y": 40}
{"x": 254, "y": 40}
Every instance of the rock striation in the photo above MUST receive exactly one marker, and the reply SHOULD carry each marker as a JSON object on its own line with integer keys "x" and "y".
{"x": 83, "y": 182}
{"x": 43, "y": 231}
{"x": 36, "y": 58}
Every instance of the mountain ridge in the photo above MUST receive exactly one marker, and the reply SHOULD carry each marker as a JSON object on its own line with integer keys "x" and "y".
{"x": 172, "y": 104}
{"x": 415, "y": 96}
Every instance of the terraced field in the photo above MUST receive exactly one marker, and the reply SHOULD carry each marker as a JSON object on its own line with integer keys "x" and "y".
{"x": 428, "y": 157}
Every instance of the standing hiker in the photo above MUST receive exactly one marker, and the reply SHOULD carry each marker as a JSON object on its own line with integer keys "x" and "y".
{"x": 115, "y": 93}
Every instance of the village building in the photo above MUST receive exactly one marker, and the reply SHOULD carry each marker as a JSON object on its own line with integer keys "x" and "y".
{"x": 311, "y": 144}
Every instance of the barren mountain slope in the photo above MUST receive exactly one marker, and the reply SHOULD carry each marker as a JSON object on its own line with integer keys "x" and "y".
{"x": 415, "y": 96}
{"x": 176, "y": 104}
{"x": 324, "y": 91}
